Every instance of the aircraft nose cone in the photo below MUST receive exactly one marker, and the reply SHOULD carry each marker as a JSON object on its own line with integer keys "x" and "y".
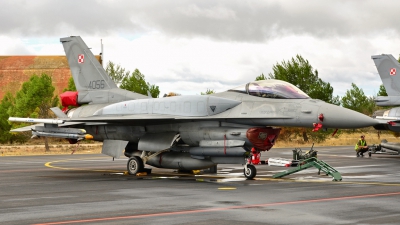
{"x": 339, "y": 117}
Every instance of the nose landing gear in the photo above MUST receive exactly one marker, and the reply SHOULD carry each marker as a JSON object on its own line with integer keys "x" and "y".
{"x": 249, "y": 171}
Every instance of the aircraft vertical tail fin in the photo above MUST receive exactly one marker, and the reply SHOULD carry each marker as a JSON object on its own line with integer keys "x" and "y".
{"x": 92, "y": 82}
{"x": 389, "y": 71}
{"x": 86, "y": 70}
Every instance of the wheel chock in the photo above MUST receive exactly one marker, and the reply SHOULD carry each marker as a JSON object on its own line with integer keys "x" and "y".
{"x": 141, "y": 174}
{"x": 195, "y": 172}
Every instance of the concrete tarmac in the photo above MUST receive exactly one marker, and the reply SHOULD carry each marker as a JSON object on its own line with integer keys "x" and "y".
{"x": 93, "y": 189}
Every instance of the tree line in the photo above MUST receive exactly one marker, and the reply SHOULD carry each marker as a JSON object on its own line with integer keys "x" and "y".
{"x": 36, "y": 96}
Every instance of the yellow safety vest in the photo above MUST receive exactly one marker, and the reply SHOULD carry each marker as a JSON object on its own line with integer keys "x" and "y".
{"x": 362, "y": 143}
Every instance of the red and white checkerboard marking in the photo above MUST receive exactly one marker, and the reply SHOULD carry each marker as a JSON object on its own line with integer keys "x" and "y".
{"x": 81, "y": 58}
{"x": 392, "y": 71}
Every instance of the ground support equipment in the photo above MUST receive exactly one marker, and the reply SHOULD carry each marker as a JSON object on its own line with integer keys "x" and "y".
{"x": 378, "y": 149}
{"x": 298, "y": 154}
{"x": 312, "y": 162}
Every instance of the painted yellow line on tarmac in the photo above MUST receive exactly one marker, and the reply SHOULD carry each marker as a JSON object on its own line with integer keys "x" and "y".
{"x": 227, "y": 188}
{"x": 49, "y": 165}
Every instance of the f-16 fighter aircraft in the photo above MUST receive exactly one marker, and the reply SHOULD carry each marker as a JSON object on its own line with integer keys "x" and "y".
{"x": 183, "y": 132}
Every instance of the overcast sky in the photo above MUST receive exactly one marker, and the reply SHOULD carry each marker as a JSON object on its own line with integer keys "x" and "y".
{"x": 191, "y": 46}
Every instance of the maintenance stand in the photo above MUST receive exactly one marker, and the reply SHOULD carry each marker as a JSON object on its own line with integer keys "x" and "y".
{"x": 308, "y": 160}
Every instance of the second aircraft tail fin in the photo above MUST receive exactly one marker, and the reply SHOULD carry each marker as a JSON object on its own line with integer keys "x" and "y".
{"x": 389, "y": 71}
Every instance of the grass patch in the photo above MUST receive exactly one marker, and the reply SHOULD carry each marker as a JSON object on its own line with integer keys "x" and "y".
{"x": 57, "y": 146}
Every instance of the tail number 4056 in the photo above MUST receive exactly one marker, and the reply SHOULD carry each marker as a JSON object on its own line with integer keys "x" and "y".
{"x": 97, "y": 84}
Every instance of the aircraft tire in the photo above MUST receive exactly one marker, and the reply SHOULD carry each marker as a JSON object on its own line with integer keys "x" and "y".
{"x": 251, "y": 172}
{"x": 135, "y": 165}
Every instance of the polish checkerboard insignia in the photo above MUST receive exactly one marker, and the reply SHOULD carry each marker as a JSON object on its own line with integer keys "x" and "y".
{"x": 81, "y": 58}
{"x": 392, "y": 71}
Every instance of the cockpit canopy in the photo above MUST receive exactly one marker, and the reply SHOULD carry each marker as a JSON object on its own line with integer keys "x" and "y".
{"x": 271, "y": 89}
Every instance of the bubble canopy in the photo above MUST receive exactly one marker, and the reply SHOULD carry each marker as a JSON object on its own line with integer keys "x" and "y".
{"x": 271, "y": 89}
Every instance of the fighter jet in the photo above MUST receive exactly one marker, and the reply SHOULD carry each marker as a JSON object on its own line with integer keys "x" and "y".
{"x": 183, "y": 132}
{"x": 389, "y": 71}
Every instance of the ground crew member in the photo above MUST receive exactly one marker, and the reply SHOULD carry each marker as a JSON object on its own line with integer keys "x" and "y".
{"x": 361, "y": 146}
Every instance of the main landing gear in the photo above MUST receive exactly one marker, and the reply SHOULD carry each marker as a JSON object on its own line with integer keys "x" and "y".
{"x": 135, "y": 165}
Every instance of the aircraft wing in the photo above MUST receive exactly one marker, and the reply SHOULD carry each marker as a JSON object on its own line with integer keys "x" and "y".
{"x": 388, "y": 123}
{"x": 391, "y": 120}
{"x": 143, "y": 119}
{"x": 158, "y": 118}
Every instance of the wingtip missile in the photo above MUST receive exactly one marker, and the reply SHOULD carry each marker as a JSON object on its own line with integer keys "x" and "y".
{"x": 34, "y": 120}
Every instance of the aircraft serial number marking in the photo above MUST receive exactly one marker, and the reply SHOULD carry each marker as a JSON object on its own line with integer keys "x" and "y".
{"x": 97, "y": 84}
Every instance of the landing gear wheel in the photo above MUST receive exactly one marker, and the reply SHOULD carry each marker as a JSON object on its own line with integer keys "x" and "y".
{"x": 250, "y": 172}
{"x": 369, "y": 154}
{"x": 135, "y": 165}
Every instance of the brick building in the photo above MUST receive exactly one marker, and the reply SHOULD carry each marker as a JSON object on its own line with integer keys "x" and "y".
{"x": 14, "y": 70}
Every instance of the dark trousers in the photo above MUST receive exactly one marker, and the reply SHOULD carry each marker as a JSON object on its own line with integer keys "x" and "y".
{"x": 361, "y": 150}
